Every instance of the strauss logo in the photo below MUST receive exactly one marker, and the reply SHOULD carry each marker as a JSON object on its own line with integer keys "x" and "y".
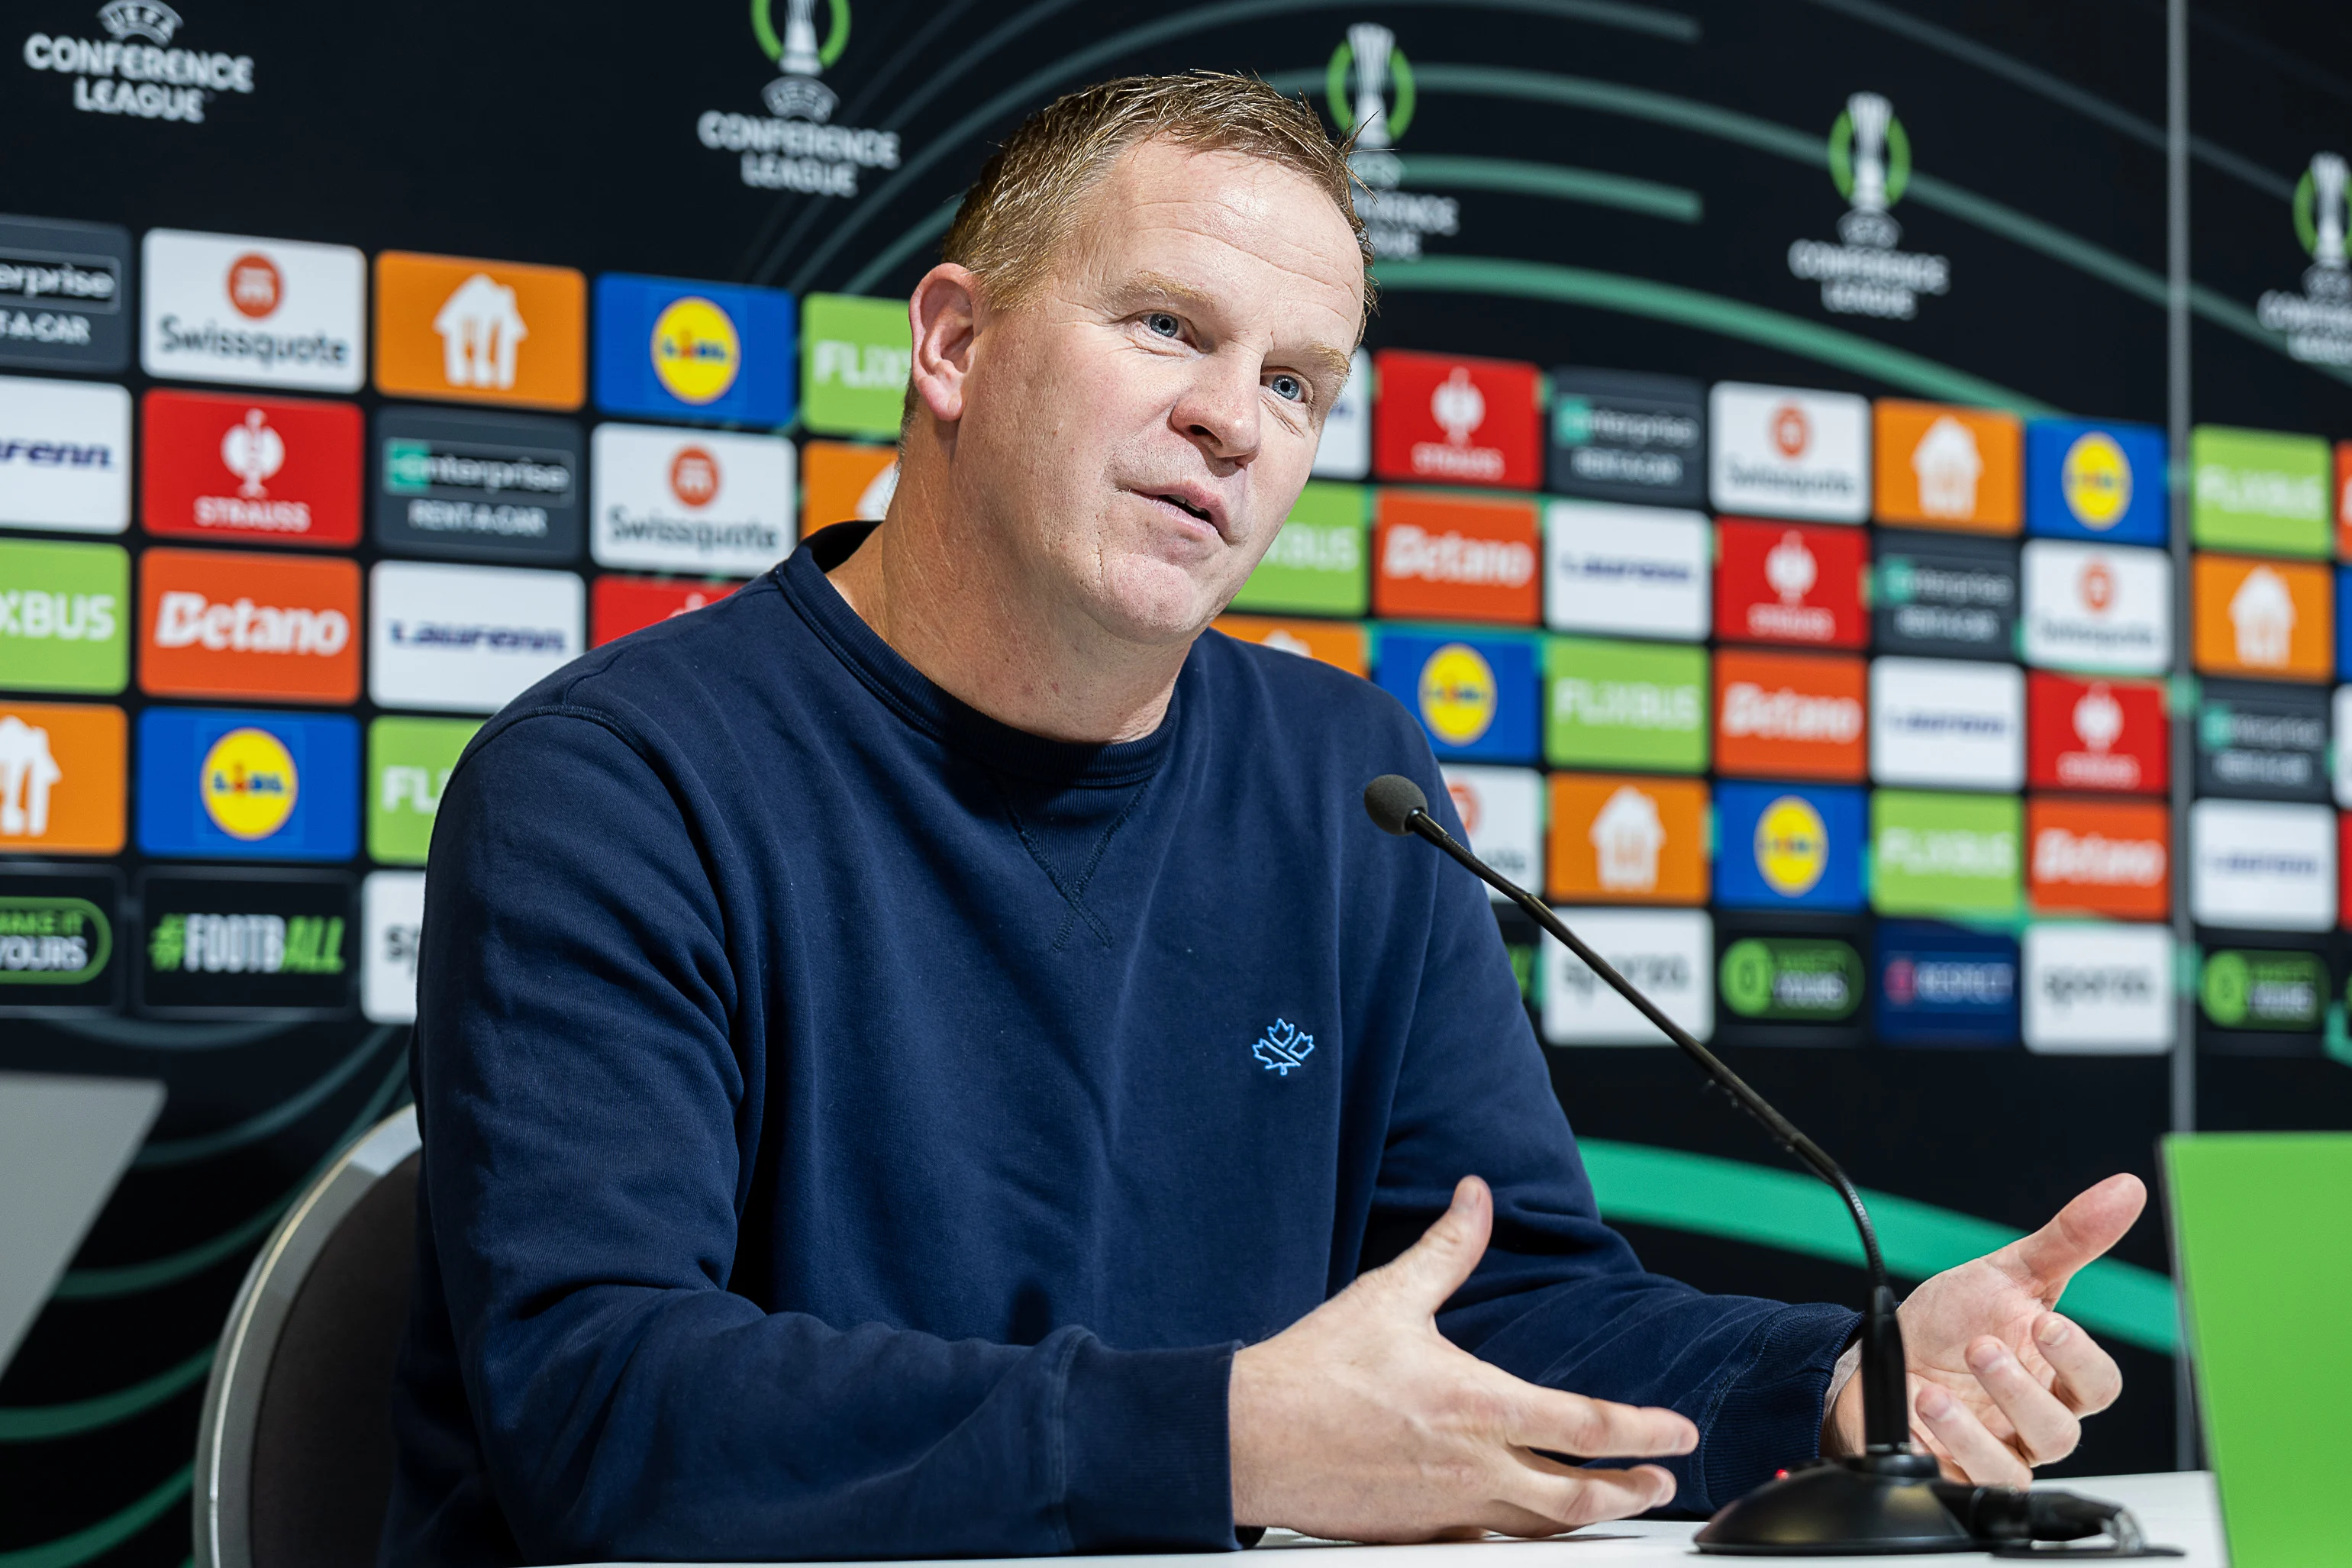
{"x": 2098, "y": 718}
{"x": 1790, "y": 568}
{"x": 252, "y": 452}
{"x": 1458, "y": 406}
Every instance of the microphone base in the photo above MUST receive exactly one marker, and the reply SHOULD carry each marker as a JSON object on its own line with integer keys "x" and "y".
{"x": 1877, "y": 1503}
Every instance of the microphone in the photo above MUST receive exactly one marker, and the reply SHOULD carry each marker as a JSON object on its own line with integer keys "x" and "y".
{"x": 1886, "y": 1498}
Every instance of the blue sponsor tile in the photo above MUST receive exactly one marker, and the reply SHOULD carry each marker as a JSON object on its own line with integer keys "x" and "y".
{"x": 2102, "y": 480}
{"x": 223, "y": 784}
{"x": 1477, "y": 697}
{"x": 1788, "y": 847}
{"x": 674, "y": 349}
{"x": 1943, "y": 985}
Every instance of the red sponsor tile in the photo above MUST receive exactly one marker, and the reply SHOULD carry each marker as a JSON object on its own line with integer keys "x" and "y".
{"x": 2111, "y": 736}
{"x": 279, "y": 471}
{"x": 1779, "y": 583}
{"x": 1450, "y": 420}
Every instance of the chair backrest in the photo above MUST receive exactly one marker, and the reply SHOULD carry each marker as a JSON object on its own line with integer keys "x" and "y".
{"x": 294, "y": 1454}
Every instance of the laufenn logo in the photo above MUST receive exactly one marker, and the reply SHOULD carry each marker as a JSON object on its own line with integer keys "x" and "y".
{"x": 794, "y": 148}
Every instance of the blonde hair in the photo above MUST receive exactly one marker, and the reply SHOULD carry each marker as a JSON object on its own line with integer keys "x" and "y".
{"x": 1029, "y": 196}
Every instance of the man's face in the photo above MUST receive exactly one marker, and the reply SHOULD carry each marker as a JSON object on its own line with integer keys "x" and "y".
{"x": 1138, "y": 430}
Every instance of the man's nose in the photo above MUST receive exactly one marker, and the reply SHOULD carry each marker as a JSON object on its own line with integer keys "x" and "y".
{"x": 1218, "y": 411}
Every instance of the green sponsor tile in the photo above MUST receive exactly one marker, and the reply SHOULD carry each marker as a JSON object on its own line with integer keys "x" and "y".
{"x": 409, "y": 761}
{"x": 1797, "y": 980}
{"x": 1625, "y": 705}
{"x": 1934, "y": 854}
{"x": 855, "y": 356}
{"x": 65, "y": 616}
{"x": 1319, "y": 564}
{"x": 2249, "y": 990}
{"x": 2256, "y": 490}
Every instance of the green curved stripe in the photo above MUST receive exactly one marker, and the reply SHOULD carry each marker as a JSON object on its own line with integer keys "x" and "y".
{"x": 1708, "y": 312}
{"x": 108, "y": 1533}
{"x": 1556, "y": 180}
{"x": 39, "y": 1422}
{"x": 906, "y": 244}
{"x": 275, "y": 1119}
{"x": 131, "y": 1279}
{"x": 1739, "y": 1202}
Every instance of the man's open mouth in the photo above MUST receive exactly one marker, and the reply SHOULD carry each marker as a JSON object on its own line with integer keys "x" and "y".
{"x": 1182, "y": 505}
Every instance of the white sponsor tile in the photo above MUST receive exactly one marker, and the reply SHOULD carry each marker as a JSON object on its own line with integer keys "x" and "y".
{"x": 1668, "y": 954}
{"x": 1502, "y": 810}
{"x": 2099, "y": 607}
{"x": 257, "y": 313}
{"x": 2262, "y": 867}
{"x": 2341, "y": 751}
{"x": 705, "y": 501}
{"x": 465, "y": 639}
{"x": 64, "y": 455}
{"x": 1635, "y": 571}
{"x": 2099, "y": 989}
{"x": 1947, "y": 723}
{"x": 1783, "y": 451}
{"x": 1345, "y": 451}
{"x": 391, "y": 912}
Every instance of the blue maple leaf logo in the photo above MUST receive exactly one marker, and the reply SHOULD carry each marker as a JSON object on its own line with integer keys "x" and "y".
{"x": 1284, "y": 1045}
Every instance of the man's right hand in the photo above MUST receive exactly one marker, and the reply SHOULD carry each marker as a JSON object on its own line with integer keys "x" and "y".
{"x": 1361, "y": 1422}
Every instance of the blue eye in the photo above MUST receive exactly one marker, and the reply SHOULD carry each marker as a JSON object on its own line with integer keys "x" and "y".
{"x": 1164, "y": 325}
{"x": 1289, "y": 388}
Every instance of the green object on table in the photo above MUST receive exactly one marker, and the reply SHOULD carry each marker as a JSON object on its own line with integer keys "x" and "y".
{"x": 2262, "y": 1236}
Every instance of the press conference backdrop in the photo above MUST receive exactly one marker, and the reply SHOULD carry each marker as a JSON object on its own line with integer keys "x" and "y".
{"x": 1756, "y": 481}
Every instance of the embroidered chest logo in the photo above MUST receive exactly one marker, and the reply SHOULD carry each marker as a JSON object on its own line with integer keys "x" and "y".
{"x": 1284, "y": 1045}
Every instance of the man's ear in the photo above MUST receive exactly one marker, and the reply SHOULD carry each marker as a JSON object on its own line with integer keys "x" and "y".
{"x": 944, "y": 312}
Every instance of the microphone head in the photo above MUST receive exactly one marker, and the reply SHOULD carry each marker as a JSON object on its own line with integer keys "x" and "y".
{"x": 1391, "y": 799}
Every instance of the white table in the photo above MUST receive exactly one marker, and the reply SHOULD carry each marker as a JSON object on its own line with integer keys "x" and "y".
{"x": 2176, "y": 1508}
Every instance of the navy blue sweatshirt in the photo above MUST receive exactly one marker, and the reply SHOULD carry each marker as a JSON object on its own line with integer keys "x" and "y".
{"x": 856, "y": 1128}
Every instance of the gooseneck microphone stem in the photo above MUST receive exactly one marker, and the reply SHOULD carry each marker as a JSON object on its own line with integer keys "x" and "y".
{"x": 1887, "y": 1418}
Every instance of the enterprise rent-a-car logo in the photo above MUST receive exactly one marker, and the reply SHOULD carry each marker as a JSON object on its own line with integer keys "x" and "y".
{"x": 136, "y": 70}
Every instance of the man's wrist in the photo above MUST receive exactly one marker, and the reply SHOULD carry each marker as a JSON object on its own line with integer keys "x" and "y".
{"x": 1849, "y": 1362}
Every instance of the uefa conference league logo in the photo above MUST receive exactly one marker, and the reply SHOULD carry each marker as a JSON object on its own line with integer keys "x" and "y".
{"x": 795, "y": 147}
{"x": 1865, "y": 274}
{"x": 1369, "y": 85}
{"x": 2317, "y": 322}
{"x": 137, "y": 71}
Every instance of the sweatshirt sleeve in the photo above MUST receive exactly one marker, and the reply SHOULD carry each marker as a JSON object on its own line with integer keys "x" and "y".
{"x": 588, "y": 1087}
{"x": 1561, "y": 1299}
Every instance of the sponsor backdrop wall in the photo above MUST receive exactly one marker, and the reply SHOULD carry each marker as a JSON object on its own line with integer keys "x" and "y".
{"x": 1765, "y": 478}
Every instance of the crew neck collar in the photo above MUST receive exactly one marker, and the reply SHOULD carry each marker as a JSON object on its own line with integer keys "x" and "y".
{"x": 922, "y": 702}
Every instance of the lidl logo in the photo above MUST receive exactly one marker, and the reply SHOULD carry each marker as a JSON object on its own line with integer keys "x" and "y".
{"x": 2097, "y": 480}
{"x": 680, "y": 349}
{"x": 1784, "y": 848}
{"x": 1475, "y": 696}
{"x": 1457, "y": 695}
{"x": 2104, "y": 481}
{"x": 1792, "y": 846}
{"x": 248, "y": 785}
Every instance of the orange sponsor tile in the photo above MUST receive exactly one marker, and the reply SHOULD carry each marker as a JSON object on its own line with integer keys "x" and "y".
{"x": 1340, "y": 643}
{"x": 2272, "y": 619}
{"x": 462, "y": 330}
{"x": 2100, "y": 858}
{"x": 1449, "y": 557}
{"x": 1941, "y": 466}
{"x": 844, "y": 482}
{"x": 63, "y": 767}
{"x": 1623, "y": 838}
{"x": 1792, "y": 715}
{"x": 219, "y": 623}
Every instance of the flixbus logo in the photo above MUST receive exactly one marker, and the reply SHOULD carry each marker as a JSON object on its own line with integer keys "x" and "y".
{"x": 794, "y": 147}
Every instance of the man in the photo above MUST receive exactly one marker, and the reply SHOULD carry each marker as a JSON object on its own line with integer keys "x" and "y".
{"x": 928, "y": 1057}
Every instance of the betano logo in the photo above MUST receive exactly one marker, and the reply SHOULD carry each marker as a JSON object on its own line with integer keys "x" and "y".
{"x": 248, "y": 784}
{"x": 1450, "y": 557}
{"x": 1457, "y": 694}
{"x": 1793, "y": 846}
{"x": 188, "y": 620}
{"x": 696, "y": 353}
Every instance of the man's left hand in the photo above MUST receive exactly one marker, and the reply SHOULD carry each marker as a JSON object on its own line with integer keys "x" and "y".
{"x": 1999, "y": 1382}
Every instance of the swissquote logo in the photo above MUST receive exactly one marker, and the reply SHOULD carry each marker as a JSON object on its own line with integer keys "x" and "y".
{"x": 136, "y": 70}
{"x": 678, "y": 500}
{"x": 2317, "y": 322}
{"x": 1863, "y": 274}
{"x": 1369, "y": 85}
{"x": 263, "y": 313}
{"x": 794, "y": 147}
